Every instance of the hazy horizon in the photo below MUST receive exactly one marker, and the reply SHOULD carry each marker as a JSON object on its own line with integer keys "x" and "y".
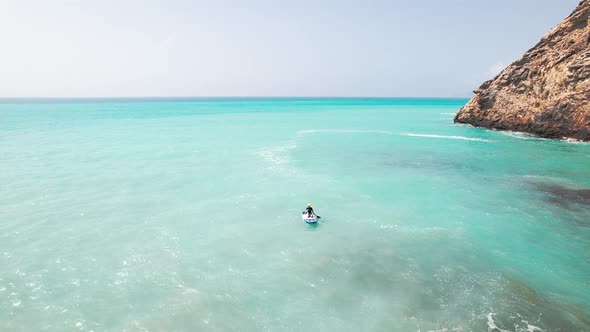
{"x": 221, "y": 97}
{"x": 217, "y": 49}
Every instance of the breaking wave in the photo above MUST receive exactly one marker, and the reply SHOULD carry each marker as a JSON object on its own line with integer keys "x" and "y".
{"x": 523, "y": 136}
{"x": 493, "y": 327}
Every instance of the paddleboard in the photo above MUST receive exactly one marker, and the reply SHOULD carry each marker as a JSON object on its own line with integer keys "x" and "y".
{"x": 312, "y": 220}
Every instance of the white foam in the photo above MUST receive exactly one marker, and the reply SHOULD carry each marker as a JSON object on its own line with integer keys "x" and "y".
{"x": 533, "y": 328}
{"x": 524, "y": 136}
{"x": 388, "y": 226}
{"x": 463, "y": 138}
{"x": 278, "y": 156}
{"x": 492, "y": 327}
{"x": 531, "y": 137}
{"x": 574, "y": 141}
{"x": 386, "y": 132}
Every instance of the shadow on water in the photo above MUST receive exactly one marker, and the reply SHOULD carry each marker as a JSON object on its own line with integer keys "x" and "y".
{"x": 564, "y": 196}
{"x": 553, "y": 315}
{"x": 573, "y": 199}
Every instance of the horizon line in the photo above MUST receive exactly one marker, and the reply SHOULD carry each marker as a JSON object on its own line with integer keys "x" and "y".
{"x": 229, "y": 97}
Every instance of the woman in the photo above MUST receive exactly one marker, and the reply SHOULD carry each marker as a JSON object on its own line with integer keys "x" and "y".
{"x": 309, "y": 210}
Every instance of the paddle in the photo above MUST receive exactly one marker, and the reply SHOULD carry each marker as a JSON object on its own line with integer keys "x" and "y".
{"x": 313, "y": 213}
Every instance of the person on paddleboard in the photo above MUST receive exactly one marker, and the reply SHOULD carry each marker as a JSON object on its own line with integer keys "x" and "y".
{"x": 309, "y": 210}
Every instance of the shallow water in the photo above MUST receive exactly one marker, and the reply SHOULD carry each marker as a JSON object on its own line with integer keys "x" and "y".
{"x": 152, "y": 215}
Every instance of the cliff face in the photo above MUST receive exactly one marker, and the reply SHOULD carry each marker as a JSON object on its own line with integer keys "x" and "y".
{"x": 547, "y": 91}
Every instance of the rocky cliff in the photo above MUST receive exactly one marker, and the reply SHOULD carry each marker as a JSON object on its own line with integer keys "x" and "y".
{"x": 547, "y": 91}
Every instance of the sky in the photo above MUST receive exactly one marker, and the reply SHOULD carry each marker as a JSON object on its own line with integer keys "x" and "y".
{"x": 158, "y": 48}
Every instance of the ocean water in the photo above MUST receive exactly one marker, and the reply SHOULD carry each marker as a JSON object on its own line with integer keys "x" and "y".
{"x": 184, "y": 215}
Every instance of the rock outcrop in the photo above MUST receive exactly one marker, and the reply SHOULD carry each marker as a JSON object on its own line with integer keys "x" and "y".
{"x": 547, "y": 91}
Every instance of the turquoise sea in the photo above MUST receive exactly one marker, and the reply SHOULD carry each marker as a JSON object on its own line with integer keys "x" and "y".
{"x": 184, "y": 215}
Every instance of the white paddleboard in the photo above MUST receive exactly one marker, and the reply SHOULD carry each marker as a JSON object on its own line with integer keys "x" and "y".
{"x": 312, "y": 220}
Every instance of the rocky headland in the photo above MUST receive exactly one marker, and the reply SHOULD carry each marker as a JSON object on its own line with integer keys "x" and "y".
{"x": 547, "y": 91}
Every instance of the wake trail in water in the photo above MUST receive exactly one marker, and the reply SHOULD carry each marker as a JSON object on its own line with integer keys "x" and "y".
{"x": 344, "y": 131}
{"x": 386, "y": 132}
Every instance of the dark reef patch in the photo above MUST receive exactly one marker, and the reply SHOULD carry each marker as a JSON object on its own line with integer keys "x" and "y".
{"x": 564, "y": 196}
